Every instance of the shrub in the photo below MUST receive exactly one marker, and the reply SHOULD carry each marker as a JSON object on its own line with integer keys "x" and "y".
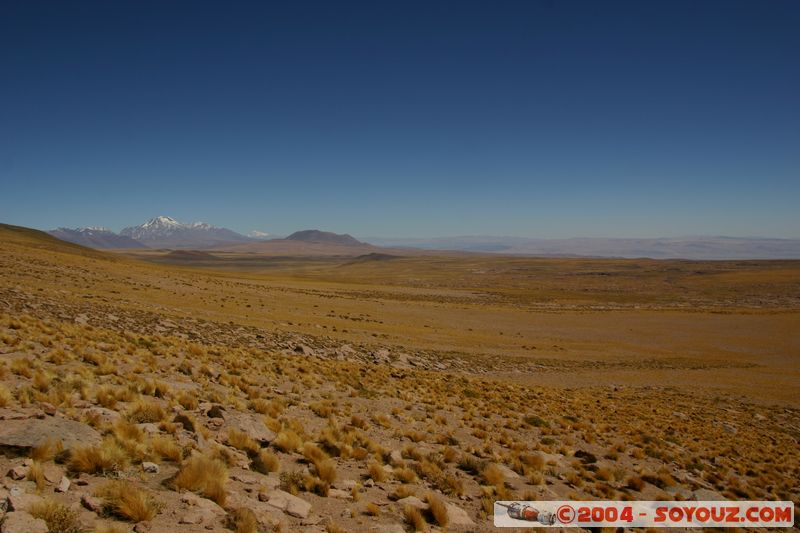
{"x": 146, "y": 411}
{"x": 292, "y": 481}
{"x": 58, "y": 517}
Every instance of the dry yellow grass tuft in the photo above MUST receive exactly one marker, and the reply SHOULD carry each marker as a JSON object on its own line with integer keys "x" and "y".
{"x": 205, "y": 475}
{"x": 123, "y": 499}
{"x": 376, "y": 472}
{"x": 243, "y": 520}
{"x": 437, "y": 509}
{"x": 241, "y": 441}
{"x": 166, "y": 448}
{"x": 5, "y": 396}
{"x": 59, "y": 518}
{"x": 47, "y": 450}
{"x": 105, "y": 457}
{"x": 414, "y": 518}
{"x": 265, "y": 462}
{"x": 36, "y": 474}
{"x": 287, "y": 441}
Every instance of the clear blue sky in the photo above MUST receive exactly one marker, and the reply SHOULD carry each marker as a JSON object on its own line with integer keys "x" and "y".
{"x": 405, "y": 118}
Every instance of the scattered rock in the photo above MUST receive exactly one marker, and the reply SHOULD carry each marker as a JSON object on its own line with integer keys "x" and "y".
{"x": 185, "y": 421}
{"x": 458, "y": 517}
{"x": 92, "y": 503}
{"x": 216, "y": 411}
{"x": 18, "y": 472}
{"x": 150, "y": 468}
{"x": 105, "y": 417}
{"x": 303, "y": 349}
{"x": 63, "y": 485}
{"x": 291, "y": 505}
{"x": 21, "y": 501}
{"x": 53, "y": 473}
{"x": 388, "y": 528}
{"x": 506, "y": 471}
{"x": 338, "y": 493}
{"x": 413, "y": 501}
{"x": 706, "y": 495}
{"x": 22, "y": 522}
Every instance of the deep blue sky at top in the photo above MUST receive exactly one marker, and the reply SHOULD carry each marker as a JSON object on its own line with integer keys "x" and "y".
{"x": 405, "y": 118}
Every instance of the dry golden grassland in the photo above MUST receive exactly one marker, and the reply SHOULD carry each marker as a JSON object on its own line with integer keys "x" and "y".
{"x": 412, "y": 391}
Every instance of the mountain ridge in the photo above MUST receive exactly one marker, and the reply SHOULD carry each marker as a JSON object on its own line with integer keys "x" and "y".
{"x": 324, "y": 237}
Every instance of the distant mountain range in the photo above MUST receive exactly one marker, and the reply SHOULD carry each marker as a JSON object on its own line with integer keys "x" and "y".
{"x": 166, "y": 232}
{"x": 656, "y": 248}
{"x": 95, "y": 238}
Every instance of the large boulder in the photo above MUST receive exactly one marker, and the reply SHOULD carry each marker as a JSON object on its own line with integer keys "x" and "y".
{"x": 23, "y": 435}
{"x": 22, "y": 522}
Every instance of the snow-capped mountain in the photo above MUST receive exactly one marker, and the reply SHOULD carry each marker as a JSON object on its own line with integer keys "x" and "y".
{"x": 166, "y": 232}
{"x": 95, "y": 237}
{"x": 260, "y": 235}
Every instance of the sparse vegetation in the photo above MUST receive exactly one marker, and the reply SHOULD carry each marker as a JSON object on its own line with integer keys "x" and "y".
{"x": 360, "y": 409}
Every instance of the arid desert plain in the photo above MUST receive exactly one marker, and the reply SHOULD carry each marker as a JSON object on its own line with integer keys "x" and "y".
{"x": 157, "y": 391}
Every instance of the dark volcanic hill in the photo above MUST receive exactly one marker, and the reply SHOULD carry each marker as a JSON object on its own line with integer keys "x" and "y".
{"x": 95, "y": 238}
{"x": 324, "y": 237}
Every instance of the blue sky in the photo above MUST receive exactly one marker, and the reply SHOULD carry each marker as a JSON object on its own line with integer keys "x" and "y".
{"x": 414, "y": 119}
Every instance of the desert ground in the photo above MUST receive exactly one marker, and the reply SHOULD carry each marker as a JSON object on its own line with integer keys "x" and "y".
{"x": 388, "y": 391}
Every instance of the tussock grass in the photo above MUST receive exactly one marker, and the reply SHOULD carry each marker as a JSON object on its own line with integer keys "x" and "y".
{"x": 437, "y": 509}
{"x": 204, "y": 475}
{"x": 5, "y": 396}
{"x": 127, "y": 501}
{"x": 106, "y": 457}
{"x": 414, "y": 518}
{"x": 265, "y": 462}
{"x": 243, "y": 520}
{"x": 241, "y": 441}
{"x": 287, "y": 441}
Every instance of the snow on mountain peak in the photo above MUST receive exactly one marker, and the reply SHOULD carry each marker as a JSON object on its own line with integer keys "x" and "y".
{"x": 161, "y": 221}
